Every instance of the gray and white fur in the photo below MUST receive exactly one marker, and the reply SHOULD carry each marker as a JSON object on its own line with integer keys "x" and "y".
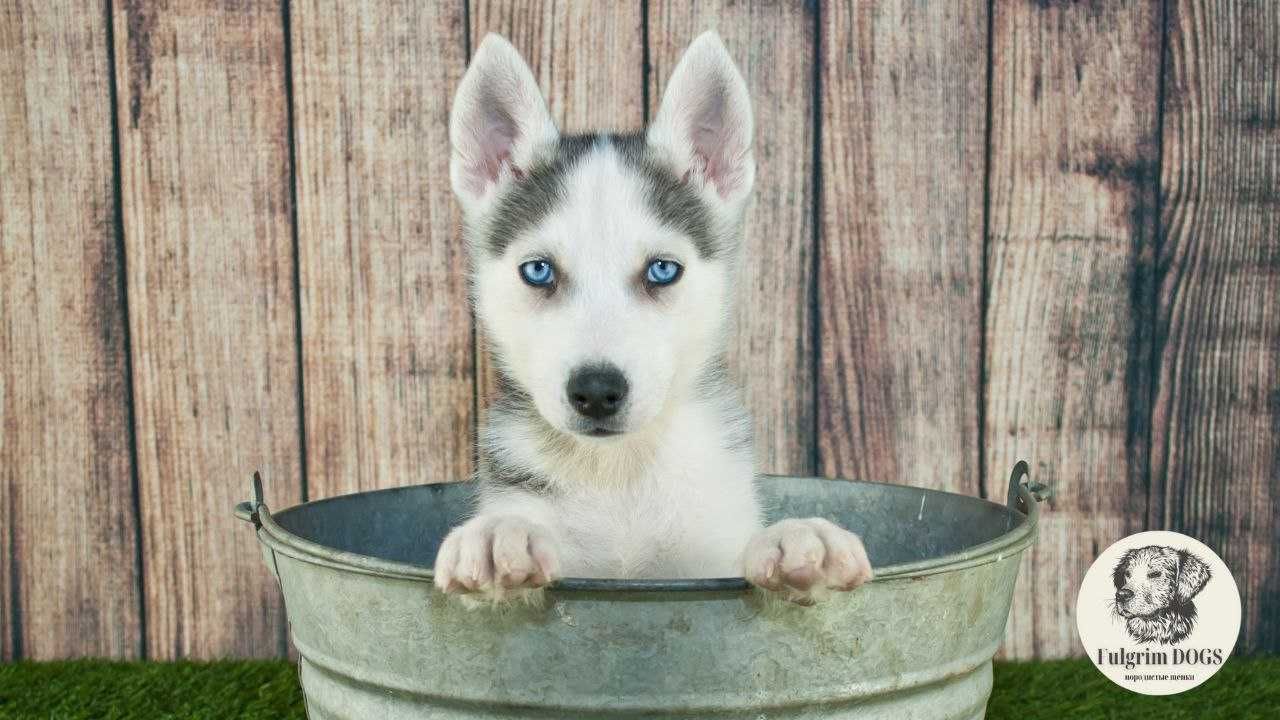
{"x": 602, "y": 269}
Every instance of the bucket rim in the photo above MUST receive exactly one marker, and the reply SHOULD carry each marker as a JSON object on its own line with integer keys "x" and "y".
{"x": 1022, "y": 513}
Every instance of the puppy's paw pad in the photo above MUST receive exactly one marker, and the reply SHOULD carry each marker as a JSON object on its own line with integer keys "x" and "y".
{"x": 804, "y": 559}
{"x": 496, "y": 556}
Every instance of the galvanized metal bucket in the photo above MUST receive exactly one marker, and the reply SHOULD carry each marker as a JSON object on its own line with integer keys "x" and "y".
{"x": 379, "y": 642}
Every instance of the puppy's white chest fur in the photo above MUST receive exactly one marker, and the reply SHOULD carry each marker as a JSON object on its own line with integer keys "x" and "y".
{"x": 685, "y": 518}
{"x": 680, "y": 504}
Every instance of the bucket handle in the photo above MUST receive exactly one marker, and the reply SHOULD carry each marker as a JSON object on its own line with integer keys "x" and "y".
{"x": 248, "y": 510}
{"x": 1022, "y": 489}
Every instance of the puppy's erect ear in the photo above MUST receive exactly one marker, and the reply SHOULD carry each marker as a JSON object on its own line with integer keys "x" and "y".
{"x": 1193, "y": 573}
{"x": 498, "y": 123}
{"x": 704, "y": 125}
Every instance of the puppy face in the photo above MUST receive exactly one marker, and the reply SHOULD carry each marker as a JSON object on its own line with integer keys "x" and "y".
{"x": 604, "y": 310}
{"x": 1154, "y": 578}
{"x": 601, "y": 264}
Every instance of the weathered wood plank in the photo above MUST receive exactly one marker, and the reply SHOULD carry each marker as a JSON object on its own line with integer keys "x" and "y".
{"x": 205, "y": 173}
{"x": 903, "y": 90}
{"x": 772, "y": 354}
{"x": 1215, "y": 456}
{"x": 70, "y": 529}
{"x": 1072, "y": 193}
{"x": 387, "y": 340}
{"x": 589, "y": 62}
{"x": 588, "y": 57}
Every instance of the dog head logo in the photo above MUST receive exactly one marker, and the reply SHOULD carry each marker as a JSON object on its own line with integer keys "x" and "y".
{"x": 1154, "y": 590}
{"x": 1158, "y": 612}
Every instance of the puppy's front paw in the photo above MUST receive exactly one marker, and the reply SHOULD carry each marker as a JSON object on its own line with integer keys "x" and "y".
{"x": 496, "y": 556}
{"x": 803, "y": 559}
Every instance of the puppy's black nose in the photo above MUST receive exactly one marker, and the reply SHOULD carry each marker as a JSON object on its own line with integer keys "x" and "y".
{"x": 1124, "y": 595}
{"x": 597, "y": 391}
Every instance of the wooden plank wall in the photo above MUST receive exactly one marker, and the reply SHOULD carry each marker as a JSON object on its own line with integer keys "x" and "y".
{"x": 205, "y": 168}
{"x": 903, "y": 88}
{"x": 1074, "y": 129}
{"x": 982, "y": 231}
{"x": 68, "y": 551}
{"x": 386, "y": 334}
{"x": 1215, "y": 461}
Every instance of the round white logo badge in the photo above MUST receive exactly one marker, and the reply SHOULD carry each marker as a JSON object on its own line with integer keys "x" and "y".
{"x": 1158, "y": 613}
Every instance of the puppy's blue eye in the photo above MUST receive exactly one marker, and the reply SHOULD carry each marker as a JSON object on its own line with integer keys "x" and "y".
{"x": 1153, "y": 574}
{"x": 538, "y": 273}
{"x": 662, "y": 272}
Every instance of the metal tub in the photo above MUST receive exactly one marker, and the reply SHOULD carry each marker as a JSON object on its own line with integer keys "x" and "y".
{"x": 378, "y": 642}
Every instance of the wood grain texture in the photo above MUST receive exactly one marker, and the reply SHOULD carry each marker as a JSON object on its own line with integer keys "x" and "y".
{"x": 588, "y": 57}
{"x": 387, "y": 340}
{"x": 65, "y": 467}
{"x": 902, "y": 130}
{"x": 1072, "y": 193}
{"x": 772, "y": 352}
{"x": 1216, "y": 444}
{"x": 205, "y": 172}
{"x": 589, "y": 62}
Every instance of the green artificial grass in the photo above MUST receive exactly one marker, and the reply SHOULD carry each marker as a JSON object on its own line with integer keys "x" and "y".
{"x": 1058, "y": 689}
{"x": 85, "y": 689}
{"x": 268, "y": 690}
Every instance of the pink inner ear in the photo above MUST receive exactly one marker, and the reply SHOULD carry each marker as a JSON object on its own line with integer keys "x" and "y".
{"x": 718, "y": 168}
{"x": 708, "y": 153}
{"x": 494, "y": 142}
{"x": 715, "y": 148}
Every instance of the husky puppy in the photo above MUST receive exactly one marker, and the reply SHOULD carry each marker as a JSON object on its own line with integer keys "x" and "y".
{"x": 602, "y": 269}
